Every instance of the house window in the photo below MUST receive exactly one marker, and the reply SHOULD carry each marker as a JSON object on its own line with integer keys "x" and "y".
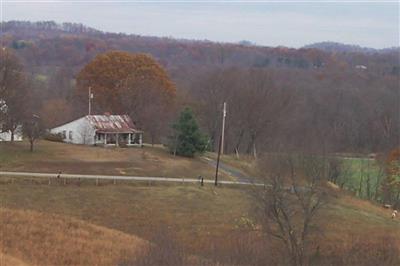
{"x": 135, "y": 139}
{"x": 64, "y": 134}
{"x": 70, "y": 135}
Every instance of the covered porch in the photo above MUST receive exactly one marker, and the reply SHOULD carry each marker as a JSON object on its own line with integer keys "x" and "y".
{"x": 119, "y": 139}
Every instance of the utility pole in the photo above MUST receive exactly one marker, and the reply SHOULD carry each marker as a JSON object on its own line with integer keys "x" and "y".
{"x": 216, "y": 169}
{"x": 90, "y": 99}
{"x": 223, "y": 128}
{"x": 221, "y": 144}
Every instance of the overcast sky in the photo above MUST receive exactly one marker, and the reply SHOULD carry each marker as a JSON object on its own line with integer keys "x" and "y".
{"x": 265, "y": 23}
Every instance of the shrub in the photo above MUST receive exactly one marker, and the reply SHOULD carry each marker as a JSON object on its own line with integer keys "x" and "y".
{"x": 163, "y": 250}
{"x": 365, "y": 251}
{"x": 54, "y": 137}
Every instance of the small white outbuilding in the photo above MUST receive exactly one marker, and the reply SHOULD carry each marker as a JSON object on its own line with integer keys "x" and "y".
{"x": 104, "y": 130}
{"x": 6, "y": 136}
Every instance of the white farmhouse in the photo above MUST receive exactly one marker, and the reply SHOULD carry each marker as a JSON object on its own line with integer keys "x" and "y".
{"x": 107, "y": 130}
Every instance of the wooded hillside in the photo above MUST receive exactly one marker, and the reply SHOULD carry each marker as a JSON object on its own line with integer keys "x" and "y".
{"x": 345, "y": 100}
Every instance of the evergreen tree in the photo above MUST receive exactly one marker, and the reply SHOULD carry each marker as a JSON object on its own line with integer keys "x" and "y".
{"x": 187, "y": 139}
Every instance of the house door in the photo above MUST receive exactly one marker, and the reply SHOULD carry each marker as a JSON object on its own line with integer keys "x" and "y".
{"x": 111, "y": 139}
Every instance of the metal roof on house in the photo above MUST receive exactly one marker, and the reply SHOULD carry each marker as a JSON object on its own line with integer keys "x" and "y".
{"x": 112, "y": 123}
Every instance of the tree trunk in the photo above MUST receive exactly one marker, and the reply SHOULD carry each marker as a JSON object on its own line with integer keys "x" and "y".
{"x": 378, "y": 186}
{"x": 237, "y": 153}
{"x": 254, "y": 151}
{"x": 31, "y": 146}
{"x": 361, "y": 179}
{"x": 251, "y": 148}
{"x": 368, "y": 183}
{"x": 238, "y": 142}
{"x": 176, "y": 143}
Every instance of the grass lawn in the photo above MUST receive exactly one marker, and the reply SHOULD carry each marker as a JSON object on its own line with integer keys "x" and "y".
{"x": 147, "y": 161}
{"x": 359, "y": 170}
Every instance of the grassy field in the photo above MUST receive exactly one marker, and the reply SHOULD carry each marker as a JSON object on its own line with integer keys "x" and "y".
{"x": 134, "y": 209}
{"x": 196, "y": 216}
{"x": 203, "y": 219}
{"x": 147, "y": 161}
{"x": 359, "y": 171}
{"x": 215, "y": 223}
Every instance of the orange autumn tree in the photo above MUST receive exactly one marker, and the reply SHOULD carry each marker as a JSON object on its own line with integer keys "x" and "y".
{"x": 127, "y": 83}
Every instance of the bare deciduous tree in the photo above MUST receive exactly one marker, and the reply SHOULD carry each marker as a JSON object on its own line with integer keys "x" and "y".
{"x": 13, "y": 92}
{"x": 33, "y": 129}
{"x": 255, "y": 105}
{"x": 288, "y": 205}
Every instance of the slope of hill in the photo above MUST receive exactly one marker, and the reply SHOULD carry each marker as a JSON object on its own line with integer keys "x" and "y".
{"x": 34, "y": 238}
{"x": 214, "y": 223}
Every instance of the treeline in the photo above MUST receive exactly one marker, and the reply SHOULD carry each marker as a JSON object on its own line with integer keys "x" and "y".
{"x": 46, "y": 26}
{"x": 72, "y": 45}
{"x": 335, "y": 47}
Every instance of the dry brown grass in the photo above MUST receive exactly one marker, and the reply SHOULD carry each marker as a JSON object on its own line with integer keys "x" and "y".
{"x": 207, "y": 222}
{"x": 346, "y": 215}
{"x": 197, "y": 214}
{"x": 7, "y": 260}
{"x": 361, "y": 250}
{"x": 147, "y": 161}
{"x": 34, "y": 238}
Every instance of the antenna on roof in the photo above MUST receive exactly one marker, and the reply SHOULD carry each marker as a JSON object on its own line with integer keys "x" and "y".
{"x": 90, "y": 99}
